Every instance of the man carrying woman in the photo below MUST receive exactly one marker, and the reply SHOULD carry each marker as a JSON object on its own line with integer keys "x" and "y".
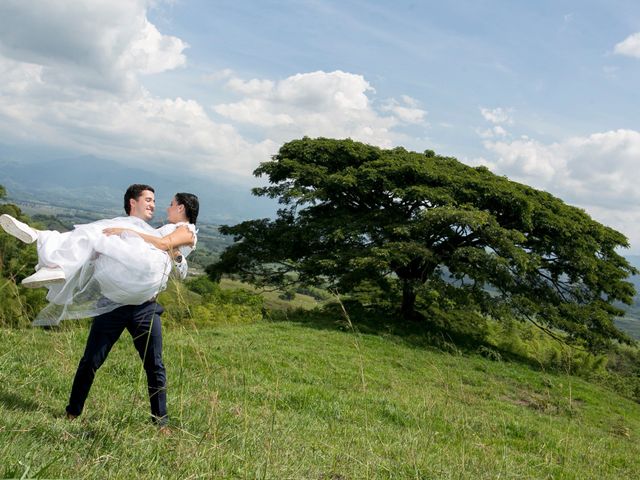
{"x": 116, "y": 267}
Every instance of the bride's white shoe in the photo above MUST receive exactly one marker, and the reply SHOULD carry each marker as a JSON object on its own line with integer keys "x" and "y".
{"x": 18, "y": 229}
{"x": 43, "y": 277}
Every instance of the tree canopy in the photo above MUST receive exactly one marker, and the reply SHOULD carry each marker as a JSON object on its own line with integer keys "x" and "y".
{"x": 435, "y": 234}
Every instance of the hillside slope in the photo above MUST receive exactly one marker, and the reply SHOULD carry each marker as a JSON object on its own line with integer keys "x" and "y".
{"x": 283, "y": 400}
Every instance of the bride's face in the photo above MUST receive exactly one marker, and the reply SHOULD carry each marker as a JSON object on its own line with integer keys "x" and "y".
{"x": 175, "y": 212}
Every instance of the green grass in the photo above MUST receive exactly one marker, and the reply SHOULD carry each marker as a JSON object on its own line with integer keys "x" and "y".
{"x": 282, "y": 400}
{"x": 272, "y": 300}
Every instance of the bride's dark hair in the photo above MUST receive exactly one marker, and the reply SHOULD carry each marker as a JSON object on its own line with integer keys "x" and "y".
{"x": 191, "y": 205}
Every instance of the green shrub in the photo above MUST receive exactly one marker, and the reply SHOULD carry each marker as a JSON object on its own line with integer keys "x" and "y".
{"x": 622, "y": 373}
{"x": 463, "y": 327}
{"x": 288, "y": 294}
{"x": 201, "y": 302}
{"x": 203, "y": 286}
{"x": 18, "y": 305}
{"x": 313, "y": 292}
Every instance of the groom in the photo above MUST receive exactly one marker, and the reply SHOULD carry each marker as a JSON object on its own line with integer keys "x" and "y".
{"x": 142, "y": 322}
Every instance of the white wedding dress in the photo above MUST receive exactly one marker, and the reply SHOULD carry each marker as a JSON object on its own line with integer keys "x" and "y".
{"x": 103, "y": 272}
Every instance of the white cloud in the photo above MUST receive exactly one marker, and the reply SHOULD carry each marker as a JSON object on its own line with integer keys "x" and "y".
{"x": 496, "y": 115}
{"x": 73, "y": 75}
{"x": 19, "y": 77}
{"x": 499, "y": 131}
{"x": 406, "y": 110}
{"x": 480, "y": 162}
{"x": 158, "y": 132}
{"x": 219, "y": 75}
{"x": 630, "y": 46}
{"x": 578, "y": 166}
{"x": 151, "y": 52}
{"x": 526, "y": 158}
{"x": 596, "y": 172}
{"x": 252, "y": 87}
{"x": 331, "y": 104}
{"x": 626, "y": 221}
{"x": 496, "y": 131}
{"x": 253, "y": 111}
{"x": 104, "y": 44}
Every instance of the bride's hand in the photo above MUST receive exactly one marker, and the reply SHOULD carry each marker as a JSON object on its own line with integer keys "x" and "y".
{"x": 114, "y": 230}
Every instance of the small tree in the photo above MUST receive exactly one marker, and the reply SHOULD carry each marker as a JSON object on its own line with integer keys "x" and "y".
{"x": 443, "y": 234}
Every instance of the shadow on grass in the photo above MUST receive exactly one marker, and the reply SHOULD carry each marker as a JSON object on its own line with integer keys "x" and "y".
{"x": 15, "y": 402}
{"x": 460, "y": 333}
{"x": 371, "y": 320}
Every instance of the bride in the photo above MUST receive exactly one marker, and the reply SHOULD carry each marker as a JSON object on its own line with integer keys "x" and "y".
{"x": 100, "y": 266}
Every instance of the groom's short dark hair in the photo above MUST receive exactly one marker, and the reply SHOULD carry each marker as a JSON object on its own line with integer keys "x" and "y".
{"x": 134, "y": 191}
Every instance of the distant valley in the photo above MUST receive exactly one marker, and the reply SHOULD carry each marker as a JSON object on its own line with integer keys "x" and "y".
{"x": 97, "y": 185}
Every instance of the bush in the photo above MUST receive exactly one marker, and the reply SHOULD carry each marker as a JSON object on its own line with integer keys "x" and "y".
{"x": 622, "y": 373}
{"x": 18, "y": 305}
{"x": 201, "y": 302}
{"x": 289, "y": 294}
{"x": 463, "y": 327}
{"x": 313, "y": 292}
{"x": 203, "y": 286}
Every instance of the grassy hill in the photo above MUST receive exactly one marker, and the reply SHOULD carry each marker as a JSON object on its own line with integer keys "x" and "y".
{"x": 294, "y": 400}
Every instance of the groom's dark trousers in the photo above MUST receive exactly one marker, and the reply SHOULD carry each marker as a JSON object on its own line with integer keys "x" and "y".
{"x": 143, "y": 323}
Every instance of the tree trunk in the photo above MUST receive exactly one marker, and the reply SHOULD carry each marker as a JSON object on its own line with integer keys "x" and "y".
{"x": 408, "y": 308}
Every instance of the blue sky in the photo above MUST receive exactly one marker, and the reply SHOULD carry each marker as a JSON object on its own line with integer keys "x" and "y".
{"x": 543, "y": 92}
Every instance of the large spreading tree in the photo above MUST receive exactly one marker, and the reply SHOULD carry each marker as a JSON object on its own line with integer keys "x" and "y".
{"x": 432, "y": 232}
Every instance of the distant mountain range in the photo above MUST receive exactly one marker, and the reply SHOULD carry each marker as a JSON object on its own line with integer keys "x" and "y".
{"x": 635, "y": 279}
{"x": 99, "y": 184}
{"x": 634, "y": 260}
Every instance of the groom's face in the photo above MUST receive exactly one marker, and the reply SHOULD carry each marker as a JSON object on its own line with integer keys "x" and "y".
{"x": 143, "y": 206}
